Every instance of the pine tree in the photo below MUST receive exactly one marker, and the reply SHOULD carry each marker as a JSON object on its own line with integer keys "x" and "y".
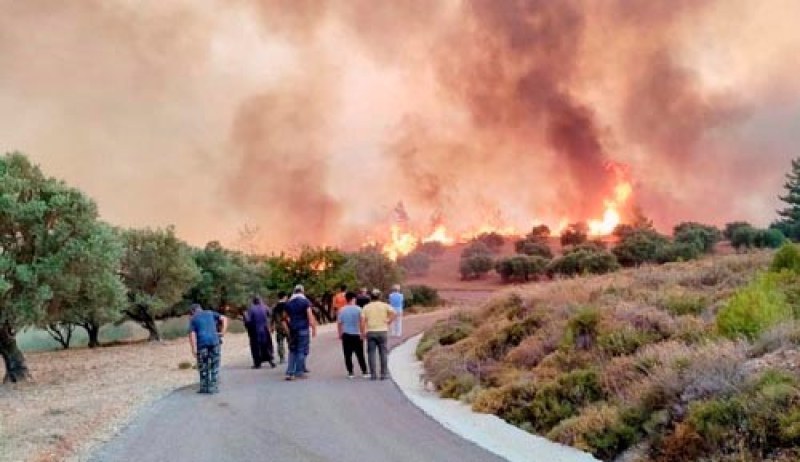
{"x": 789, "y": 222}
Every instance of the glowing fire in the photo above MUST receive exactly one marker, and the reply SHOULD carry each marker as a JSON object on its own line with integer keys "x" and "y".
{"x": 611, "y": 217}
{"x": 439, "y": 235}
{"x": 403, "y": 240}
{"x": 402, "y": 243}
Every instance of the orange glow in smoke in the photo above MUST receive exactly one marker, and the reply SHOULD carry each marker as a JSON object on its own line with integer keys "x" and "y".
{"x": 439, "y": 235}
{"x": 611, "y": 216}
{"x": 402, "y": 243}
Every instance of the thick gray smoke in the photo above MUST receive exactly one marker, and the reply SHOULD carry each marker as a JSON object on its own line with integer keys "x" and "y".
{"x": 310, "y": 120}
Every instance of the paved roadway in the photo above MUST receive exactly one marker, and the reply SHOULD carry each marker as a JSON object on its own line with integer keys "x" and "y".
{"x": 259, "y": 416}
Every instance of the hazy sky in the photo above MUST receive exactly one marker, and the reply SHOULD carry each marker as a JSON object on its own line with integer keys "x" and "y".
{"x": 312, "y": 119}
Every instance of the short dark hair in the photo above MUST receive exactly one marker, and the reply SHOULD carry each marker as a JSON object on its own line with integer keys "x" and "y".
{"x": 256, "y": 300}
{"x": 281, "y": 293}
{"x": 343, "y": 287}
{"x": 350, "y": 296}
{"x": 375, "y": 295}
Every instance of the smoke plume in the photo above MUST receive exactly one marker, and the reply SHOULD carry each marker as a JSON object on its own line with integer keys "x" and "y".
{"x": 311, "y": 120}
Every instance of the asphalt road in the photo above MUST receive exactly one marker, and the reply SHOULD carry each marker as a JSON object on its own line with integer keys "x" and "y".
{"x": 259, "y": 416}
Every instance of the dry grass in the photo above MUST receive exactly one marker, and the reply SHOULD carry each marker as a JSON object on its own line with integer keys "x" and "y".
{"x": 80, "y": 398}
{"x": 613, "y": 362}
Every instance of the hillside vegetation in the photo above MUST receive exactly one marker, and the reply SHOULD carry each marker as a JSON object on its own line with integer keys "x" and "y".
{"x": 679, "y": 362}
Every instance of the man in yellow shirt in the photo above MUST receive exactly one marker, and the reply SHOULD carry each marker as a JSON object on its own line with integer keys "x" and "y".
{"x": 375, "y": 318}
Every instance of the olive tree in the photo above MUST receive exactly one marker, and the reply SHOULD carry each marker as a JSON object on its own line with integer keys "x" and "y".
{"x": 43, "y": 225}
{"x": 157, "y": 269}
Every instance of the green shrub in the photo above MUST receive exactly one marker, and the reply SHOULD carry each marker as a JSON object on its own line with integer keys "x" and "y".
{"x": 754, "y": 308}
{"x": 415, "y": 263}
{"x": 678, "y": 252}
{"x": 582, "y": 328}
{"x": 475, "y": 266}
{"x": 743, "y": 237}
{"x": 730, "y": 228}
{"x": 443, "y": 333}
{"x": 562, "y": 398}
{"x": 493, "y": 240}
{"x": 510, "y": 336}
{"x": 432, "y": 248}
{"x": 458, "y": 385}
{"x": 474, "y": 249}
{"x": 422, "y": 295}
{"x": 681, "y": 304}
{"x": 528, "y": 247}
{"x": 769, "y": 238}
{"x": 520, "y": 267}
{"x": 600, "y": 430}
{"x": 787, "y": 258}
{"x": 639, "y": 247}
{"x": 625, "y": 341}
{"x": 701, "y": 236}
{"x": 575, "y": 234}
{"x": 583, "y": 261}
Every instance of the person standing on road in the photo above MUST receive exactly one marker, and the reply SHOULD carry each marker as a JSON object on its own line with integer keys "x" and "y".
{"x": 396, "y": 300}
{"x": 278, "y": 324}
{"x": 376, "y": 317}
{"x": 362, "y": 298}
{"x": 256, "y": 320}
{"x": 339, "y": 300}
{"x": 300, "y": 319}
{"x": 205, "y": 342}
{"x": 352, "y": 333}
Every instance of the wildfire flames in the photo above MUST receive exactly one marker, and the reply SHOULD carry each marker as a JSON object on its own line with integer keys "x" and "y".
{"x": 403, "y": 240}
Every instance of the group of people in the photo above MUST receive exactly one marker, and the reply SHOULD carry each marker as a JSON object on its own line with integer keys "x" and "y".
{"x": 360, "y": 318}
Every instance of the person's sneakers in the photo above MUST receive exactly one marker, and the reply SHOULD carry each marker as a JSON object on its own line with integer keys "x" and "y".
{"x": 272, "y": 364}
{"x": 255, "y": 366}
{"x": 384, "y": 377}
{"x": 365, "y": 375}
{"x": 306, "y": 371}
{"x": 372, "y": 377}
{"x": 202, "y": 392}
{"x": 350, "y": 376}
{"x": 289, "y": 378}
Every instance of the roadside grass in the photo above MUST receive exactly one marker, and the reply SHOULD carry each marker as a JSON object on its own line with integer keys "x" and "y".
{"x": 684, "y": 361}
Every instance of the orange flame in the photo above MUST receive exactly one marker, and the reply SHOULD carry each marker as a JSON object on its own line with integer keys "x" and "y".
{"x": 439, "y": 235}
{"x": 611, "y": 216}
{"x": 402, "y": 243}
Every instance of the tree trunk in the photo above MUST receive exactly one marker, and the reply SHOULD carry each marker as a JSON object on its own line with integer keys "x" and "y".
{"x": 143, "y": 317}
{"x": 150, "y": 324}
{"x": 16, "y": 370}
{"x": 93, "y": 331}
{"x": 61, "y": 333}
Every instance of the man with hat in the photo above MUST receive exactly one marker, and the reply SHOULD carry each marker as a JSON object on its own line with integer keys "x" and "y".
{"x": 299, "y": 320}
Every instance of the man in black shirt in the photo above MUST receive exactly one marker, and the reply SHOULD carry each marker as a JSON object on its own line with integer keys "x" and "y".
{"x": 362, "y": 298}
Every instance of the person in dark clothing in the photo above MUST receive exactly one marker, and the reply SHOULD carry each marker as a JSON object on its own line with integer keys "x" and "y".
{"x": 205, "y": 342}
{"x": 352, "y": 333}
{"x": 299, "y": 320}
{"x": 278, "y": 324}
{"x": 256, "y": 320}
{"x": 362, "y": 298}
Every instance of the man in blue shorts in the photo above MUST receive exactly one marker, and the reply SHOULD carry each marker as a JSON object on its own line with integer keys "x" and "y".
{"x": 205, "y": 342}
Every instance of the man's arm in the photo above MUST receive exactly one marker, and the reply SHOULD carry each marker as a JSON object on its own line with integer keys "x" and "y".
{"x": 312, "y": 321}
{"x": 224, "y": 320}
{"x": 392, "y": 315}
{"x": 339, "y": 327}
{"x": 193, "y": 342}
{"x": 362, "y": 322}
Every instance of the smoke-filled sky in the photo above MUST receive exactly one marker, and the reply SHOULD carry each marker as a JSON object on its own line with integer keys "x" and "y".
{"x": 310, "y": 120}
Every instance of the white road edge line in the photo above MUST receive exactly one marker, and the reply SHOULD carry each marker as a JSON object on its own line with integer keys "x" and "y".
{"x": 487, "y": 431}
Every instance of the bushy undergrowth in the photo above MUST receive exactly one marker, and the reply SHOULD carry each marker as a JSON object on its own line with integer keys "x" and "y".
{"x": 685, "y": 361}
